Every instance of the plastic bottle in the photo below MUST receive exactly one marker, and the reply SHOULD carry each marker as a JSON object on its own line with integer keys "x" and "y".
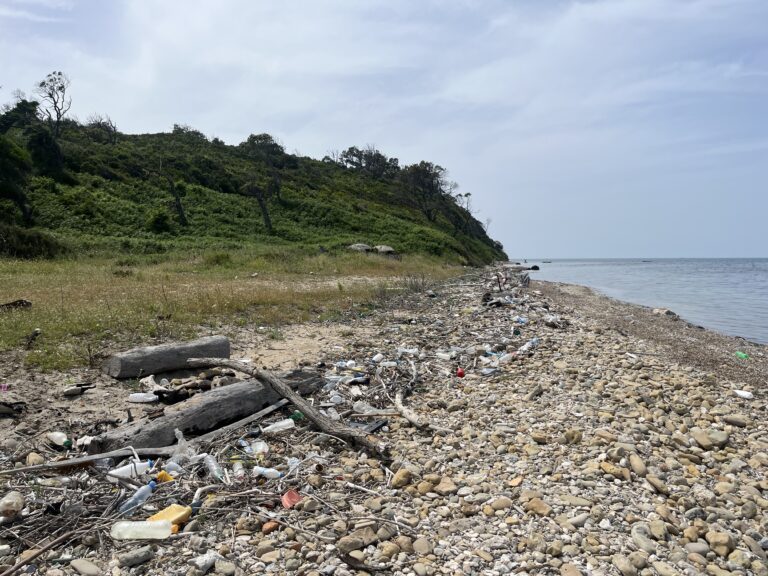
{"x": 59, "y": 439}
{"x": 173, "y": 469}
{"x": 137, "y": 500}
{"x": 259, "y": 448}
{"x": 146, "y": 530}
{"x": 270, "y": 473}
{"x": 133, "y": 469}
{"x": 238, "y": 470}
{"x": 11, "y": 504}
{"x": 213, "y": 467}
{"x": 280, "y": 426}
{"x": 142, "y": 398}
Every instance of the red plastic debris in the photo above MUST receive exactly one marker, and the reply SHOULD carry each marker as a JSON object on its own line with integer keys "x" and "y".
{"x": 460, "y": 372}
{"x": 291, "y": 498}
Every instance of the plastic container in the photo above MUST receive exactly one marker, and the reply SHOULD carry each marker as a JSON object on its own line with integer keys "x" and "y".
{"x": 133, "y": 469}
{"x": 213, "y": 467}
{"x": 11, "y": 504}
{"x": 59, "y": 439}
{"x": 142, "y": 398}
{"x": 175, "y": 514}
{"x": 238, "y": 470}
{"x": 270, "y": 473}
{"x": 137, "y": 500}
{"x": 378, "y": 358}
{"x": 146, "y": 530}
{"x": 278, "y": 427}
{"x": 259, "y": 448}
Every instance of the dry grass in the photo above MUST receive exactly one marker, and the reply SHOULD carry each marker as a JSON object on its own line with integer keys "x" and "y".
{"x": 87, "y": 308}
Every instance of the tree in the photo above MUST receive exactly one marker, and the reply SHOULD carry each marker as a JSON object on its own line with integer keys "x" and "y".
{"x": 370, "y": 161}
{"x": 55, "y": 100}
{"x": 427, "y": 186}
{"x": 254, "y": 189}
{"x": 15, "y": 167}
{"x": 21, "y": 115}
{"x": 103, "y": 128}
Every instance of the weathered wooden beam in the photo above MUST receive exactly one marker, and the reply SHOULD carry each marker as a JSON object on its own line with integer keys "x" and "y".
{"x": 164, "y": 357}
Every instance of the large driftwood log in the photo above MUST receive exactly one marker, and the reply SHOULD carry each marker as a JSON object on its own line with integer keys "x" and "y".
{"x": 356, "y": 437}
{"x": 165, "y": 357}
{"x": 200, "y": 413}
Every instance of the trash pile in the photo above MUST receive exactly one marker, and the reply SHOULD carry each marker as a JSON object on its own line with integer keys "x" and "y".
{"x": 474, "y": 430}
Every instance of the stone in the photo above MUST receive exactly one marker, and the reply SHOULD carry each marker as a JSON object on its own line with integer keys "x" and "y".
{"x": 637, "y": 465}
{"x": 422, "y": 546}
{"x": 136, "y": 556}
{"x": 34, "y": 459}
{"x": 85, "y": 567}
{"x": 420, "y": 569}
{"x": 738, "y": 420}
{"x": 346, "y": 544}
{"x": 269, "y": 527}
{"x": 698, "y": 547}
{"x": 501, "y": 503}
{"x": 225, "y": 567}
{"x": 718, "y": 437}
{"x": 664, "y": 569}
{"x": 388, "y": 549}
{"x": 702, "y": 439}
{"x": 623, "y": 565}
{"x": 640, "y": 533}
{"x": 446, "y": 486}
{"x": 721, "y": 543}
{"x": 570, "y": 570}
{"x": 402, "y": 478}
{"x": 538, "y": 506}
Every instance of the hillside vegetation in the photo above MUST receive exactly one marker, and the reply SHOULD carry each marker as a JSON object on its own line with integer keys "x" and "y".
{"x": 89, "y": 188}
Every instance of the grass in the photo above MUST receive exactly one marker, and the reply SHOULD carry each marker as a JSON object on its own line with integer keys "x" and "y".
{"x": 90, "y": 307}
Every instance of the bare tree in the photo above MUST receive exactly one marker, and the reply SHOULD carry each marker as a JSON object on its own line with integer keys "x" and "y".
{"x": 56, "y": 102}
{"x": 251, "y": 188}
{"x": 105, "y": 125}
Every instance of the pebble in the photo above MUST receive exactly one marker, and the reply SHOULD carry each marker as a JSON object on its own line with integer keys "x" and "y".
{"x": 85, "y": 567}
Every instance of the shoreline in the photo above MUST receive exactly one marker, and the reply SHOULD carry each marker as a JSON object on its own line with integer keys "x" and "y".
{"x": 614, "y": 445}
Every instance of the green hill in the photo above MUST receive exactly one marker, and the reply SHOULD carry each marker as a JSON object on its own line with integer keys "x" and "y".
{"x": 88, "y": 187}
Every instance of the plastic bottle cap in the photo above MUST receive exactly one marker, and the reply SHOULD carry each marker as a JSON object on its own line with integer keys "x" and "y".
{"x": 152, "y": 484}
{"x": 67, "y": 443}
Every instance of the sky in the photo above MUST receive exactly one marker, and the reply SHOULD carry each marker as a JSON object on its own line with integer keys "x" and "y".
{"x": 604, "y": 128}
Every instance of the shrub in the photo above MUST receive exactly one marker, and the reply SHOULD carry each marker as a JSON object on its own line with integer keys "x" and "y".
{"x": 22, "y": 243}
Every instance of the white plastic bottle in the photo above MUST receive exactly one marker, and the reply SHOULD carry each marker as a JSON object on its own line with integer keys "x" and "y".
{"x": 270, "y": 473}
{"x": 146, "y": 530}
{"x": 280, "y": 426}
{"x": 133, "y": 469}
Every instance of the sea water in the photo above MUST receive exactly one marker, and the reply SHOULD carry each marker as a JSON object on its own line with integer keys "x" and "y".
{"x": 729, "y": 295}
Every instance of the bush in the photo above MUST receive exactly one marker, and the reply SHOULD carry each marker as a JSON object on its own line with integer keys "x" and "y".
{"x": 160, "y": 222}
{"x": 21, "y": 243}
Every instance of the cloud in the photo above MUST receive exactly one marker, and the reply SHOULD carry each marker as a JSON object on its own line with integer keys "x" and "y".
{"x": 560, "y": 104}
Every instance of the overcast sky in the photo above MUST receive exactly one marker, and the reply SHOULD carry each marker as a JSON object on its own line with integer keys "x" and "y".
{"x": 617, "y": 128}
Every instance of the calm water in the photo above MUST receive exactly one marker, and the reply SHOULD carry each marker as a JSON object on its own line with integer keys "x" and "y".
{"x": 727, "y": 295}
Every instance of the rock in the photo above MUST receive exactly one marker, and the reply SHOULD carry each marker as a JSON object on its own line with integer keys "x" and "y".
{"x": 225, "y": 567}
{"x": 384, "y": 249}
{"x": 639, "y": 559}
{"x": 570, "y": 570}
{"x": 85, "y": 567}
{"x": 501, "y": 503}
{"x": 658, "y": 530}
{"x": 422, "y": 546}
{"x": 269, "y": 527}
{"x": 388, "y": 549}
{"x": 402, "y": 478}
{"x": 346, "y": 544}
{"x": 738, "y": 420}
{"x": 698, "y": 547}
{"x": 623, "y": 565}
{"x": 640, "y": 533}
{"x": 718, "y": 437}
{"x": 665, "y": 569}
{"x": 446, "y": 487}
{"x": 538, "y": 506}
{"x": 420, "y": 569}
{"x": 360, "y": 247}
{"x": 637, "y": 465}
{"x": 573, "y": 436}
{"x": 136, "y": 556}
{"x": 721, "y": 543}
{"x": 615, "y": 471}
{"x": 34, "y": 459}
{"x": 702, "y": 439}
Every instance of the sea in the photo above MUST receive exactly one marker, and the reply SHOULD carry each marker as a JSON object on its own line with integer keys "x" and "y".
{"x": 728, "y": 295}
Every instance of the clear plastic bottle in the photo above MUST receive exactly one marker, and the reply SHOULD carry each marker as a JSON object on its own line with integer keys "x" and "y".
{"x": 146, "y": 530}
{"x": 270, "y": 473}
{"x": 137, "y": 500}
{"x": 133, "y": 469}
{"x": 260, "y": 448}
{"x": 142, "y": 398}
{"x": 59, "y": 439}
{"x": 238, "y": 469}
{"x": 213, "y": 467}
{"x": 280, "y": 426}
{"x": 11, "y": 504}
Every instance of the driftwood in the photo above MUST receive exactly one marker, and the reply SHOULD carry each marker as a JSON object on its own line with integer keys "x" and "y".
{"x": 164, "y": 358}
{"x": 15, "y": 305}
{"x": 162, "y": 451}
{"x": 324, "y": 423}
{"x": 201, "y": 413}
{"x": 409, "y": 414}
